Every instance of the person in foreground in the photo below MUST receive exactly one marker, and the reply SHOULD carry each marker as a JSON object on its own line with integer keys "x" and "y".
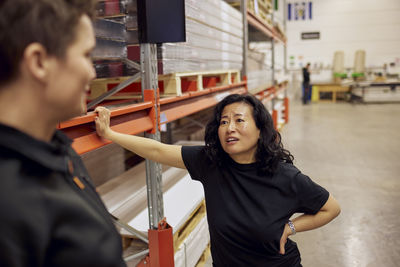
{"x": 251, "y": 186}
{"x": 50, "y": 213}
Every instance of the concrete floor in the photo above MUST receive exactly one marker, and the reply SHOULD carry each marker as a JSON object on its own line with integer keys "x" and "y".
{"x": 353, "y": 150}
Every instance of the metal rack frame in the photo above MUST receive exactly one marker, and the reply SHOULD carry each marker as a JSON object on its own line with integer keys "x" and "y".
{"x": 147, "y": 117}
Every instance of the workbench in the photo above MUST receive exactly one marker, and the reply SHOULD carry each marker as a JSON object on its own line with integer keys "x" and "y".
{"x": 388, "y": 91}
{"x": 329, "y": 87}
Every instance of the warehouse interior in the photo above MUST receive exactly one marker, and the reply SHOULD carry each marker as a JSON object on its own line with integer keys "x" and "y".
{"x": 163, "y": 66}
{"x": 346, "y": 138}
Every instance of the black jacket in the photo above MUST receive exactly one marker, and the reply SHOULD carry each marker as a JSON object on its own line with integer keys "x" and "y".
{"x": 306, "y": 75}
{"x": 50, "y": 213}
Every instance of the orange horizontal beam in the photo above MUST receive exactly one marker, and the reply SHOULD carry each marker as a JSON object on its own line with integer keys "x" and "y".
{"x": 187, "y": 95}
{"x": 92, "y": 141}
{"x": 134, "y": 119}
{"x": 173, "y": 111}
{"x": 261, "y": 26}
{"x": 115, "y": 112}
{"x": 270, "y": 92}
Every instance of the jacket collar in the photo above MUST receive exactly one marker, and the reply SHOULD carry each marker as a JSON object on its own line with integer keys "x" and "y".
{"x": 51, "y": 155}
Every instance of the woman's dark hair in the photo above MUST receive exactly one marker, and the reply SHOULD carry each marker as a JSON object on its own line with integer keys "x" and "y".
{"x": 270, "y": 150}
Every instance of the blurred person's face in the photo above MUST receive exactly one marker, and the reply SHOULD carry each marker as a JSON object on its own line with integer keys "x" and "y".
{"x": 238, "y": 133}
{"x": 69, "y": 77}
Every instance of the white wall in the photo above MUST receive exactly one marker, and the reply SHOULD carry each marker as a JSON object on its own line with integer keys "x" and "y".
{"x": 347, "y": 25}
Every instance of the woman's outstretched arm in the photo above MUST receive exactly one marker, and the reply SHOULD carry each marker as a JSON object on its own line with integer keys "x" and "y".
{"x": 144, "y": 147}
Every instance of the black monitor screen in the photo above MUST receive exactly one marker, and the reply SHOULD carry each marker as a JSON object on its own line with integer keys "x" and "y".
{"x": 161, "y": 21}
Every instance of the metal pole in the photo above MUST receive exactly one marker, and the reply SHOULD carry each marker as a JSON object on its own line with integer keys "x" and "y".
{"x": 273, "y": 46}
{"x": 243, "y": 9}
{"x": 148, "y": 62}
{"x": 284, "y": 30}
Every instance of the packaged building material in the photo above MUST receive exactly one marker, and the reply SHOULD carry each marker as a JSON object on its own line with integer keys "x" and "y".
{"x": 193, "y": 246}
{"x": 110, "y": 30}
{"x": 213, "y": 39}
{"x": 113, "y": 68}
{"x": 109, "y": 49}
{"x": 259, "y": 80}
{"x": 106, "y": 8}
{"x": 111, "y": 36}
{"x": 259, "y": 73}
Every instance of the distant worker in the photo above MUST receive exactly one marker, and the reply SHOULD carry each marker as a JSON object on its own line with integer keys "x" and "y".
{"x": 306, "y": 84}
{"x": 251, "y": 186}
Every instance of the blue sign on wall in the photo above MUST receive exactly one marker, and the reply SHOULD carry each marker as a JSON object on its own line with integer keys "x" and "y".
{"x": 299, "y": 11}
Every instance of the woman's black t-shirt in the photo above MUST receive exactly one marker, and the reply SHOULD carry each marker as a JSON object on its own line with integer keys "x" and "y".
{"x": 247, "y": 212}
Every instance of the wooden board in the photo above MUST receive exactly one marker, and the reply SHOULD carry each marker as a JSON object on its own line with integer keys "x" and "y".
{"x": 179, "y": 203}
{"x": 194, "y": 245}
{"x": 204, "y": 257}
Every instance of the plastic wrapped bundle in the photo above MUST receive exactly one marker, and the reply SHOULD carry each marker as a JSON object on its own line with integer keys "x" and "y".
{"x": 132, "y": 37}
{"x": 131, "y": 21}
{"x": 256, "y": 60}
{"x": 259, "y": 80}
{"x": 213, "y": 39}
{"x": 179, "y": 65}
{"x": 112, "y": 68}
{"x": 131, "y": 6}
{"x": 192, "y": 52}
{"x": 109, "y": 49}
{"x": 195, "y": 28}
{"x": 110, "y": 29}
{"x": 212, "y": 14}
{"x": 111, "y": 8}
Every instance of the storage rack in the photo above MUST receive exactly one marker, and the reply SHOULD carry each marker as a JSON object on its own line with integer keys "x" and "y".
{"x": 153, "y": 111}
{"x": 262, "y": 31}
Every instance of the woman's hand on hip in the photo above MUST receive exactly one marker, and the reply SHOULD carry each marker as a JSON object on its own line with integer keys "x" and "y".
{"x": 286, "y": 233}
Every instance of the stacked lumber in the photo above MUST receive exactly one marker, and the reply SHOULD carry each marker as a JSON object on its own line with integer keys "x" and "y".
{"x": 213, "y": 40}
{"x": 260, "y": 8}
{"x": 259, "y": 73}
{"x": 125, "y": 196}
{"x": 211, "y": 56}
{"x": 111, "y": 39}
{"x": 259, "y": 80}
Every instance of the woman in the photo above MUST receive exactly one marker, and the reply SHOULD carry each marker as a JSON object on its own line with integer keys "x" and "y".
{"x": 251, "y": 186}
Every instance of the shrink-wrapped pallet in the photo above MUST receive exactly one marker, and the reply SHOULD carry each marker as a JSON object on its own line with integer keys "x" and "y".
{"x": 213, "y": 39}
{"x": 259, "y": 80}
{"x": 110, "y": 50}
{"x": 110, "y": 29}
{"x": 259, "y": 73}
